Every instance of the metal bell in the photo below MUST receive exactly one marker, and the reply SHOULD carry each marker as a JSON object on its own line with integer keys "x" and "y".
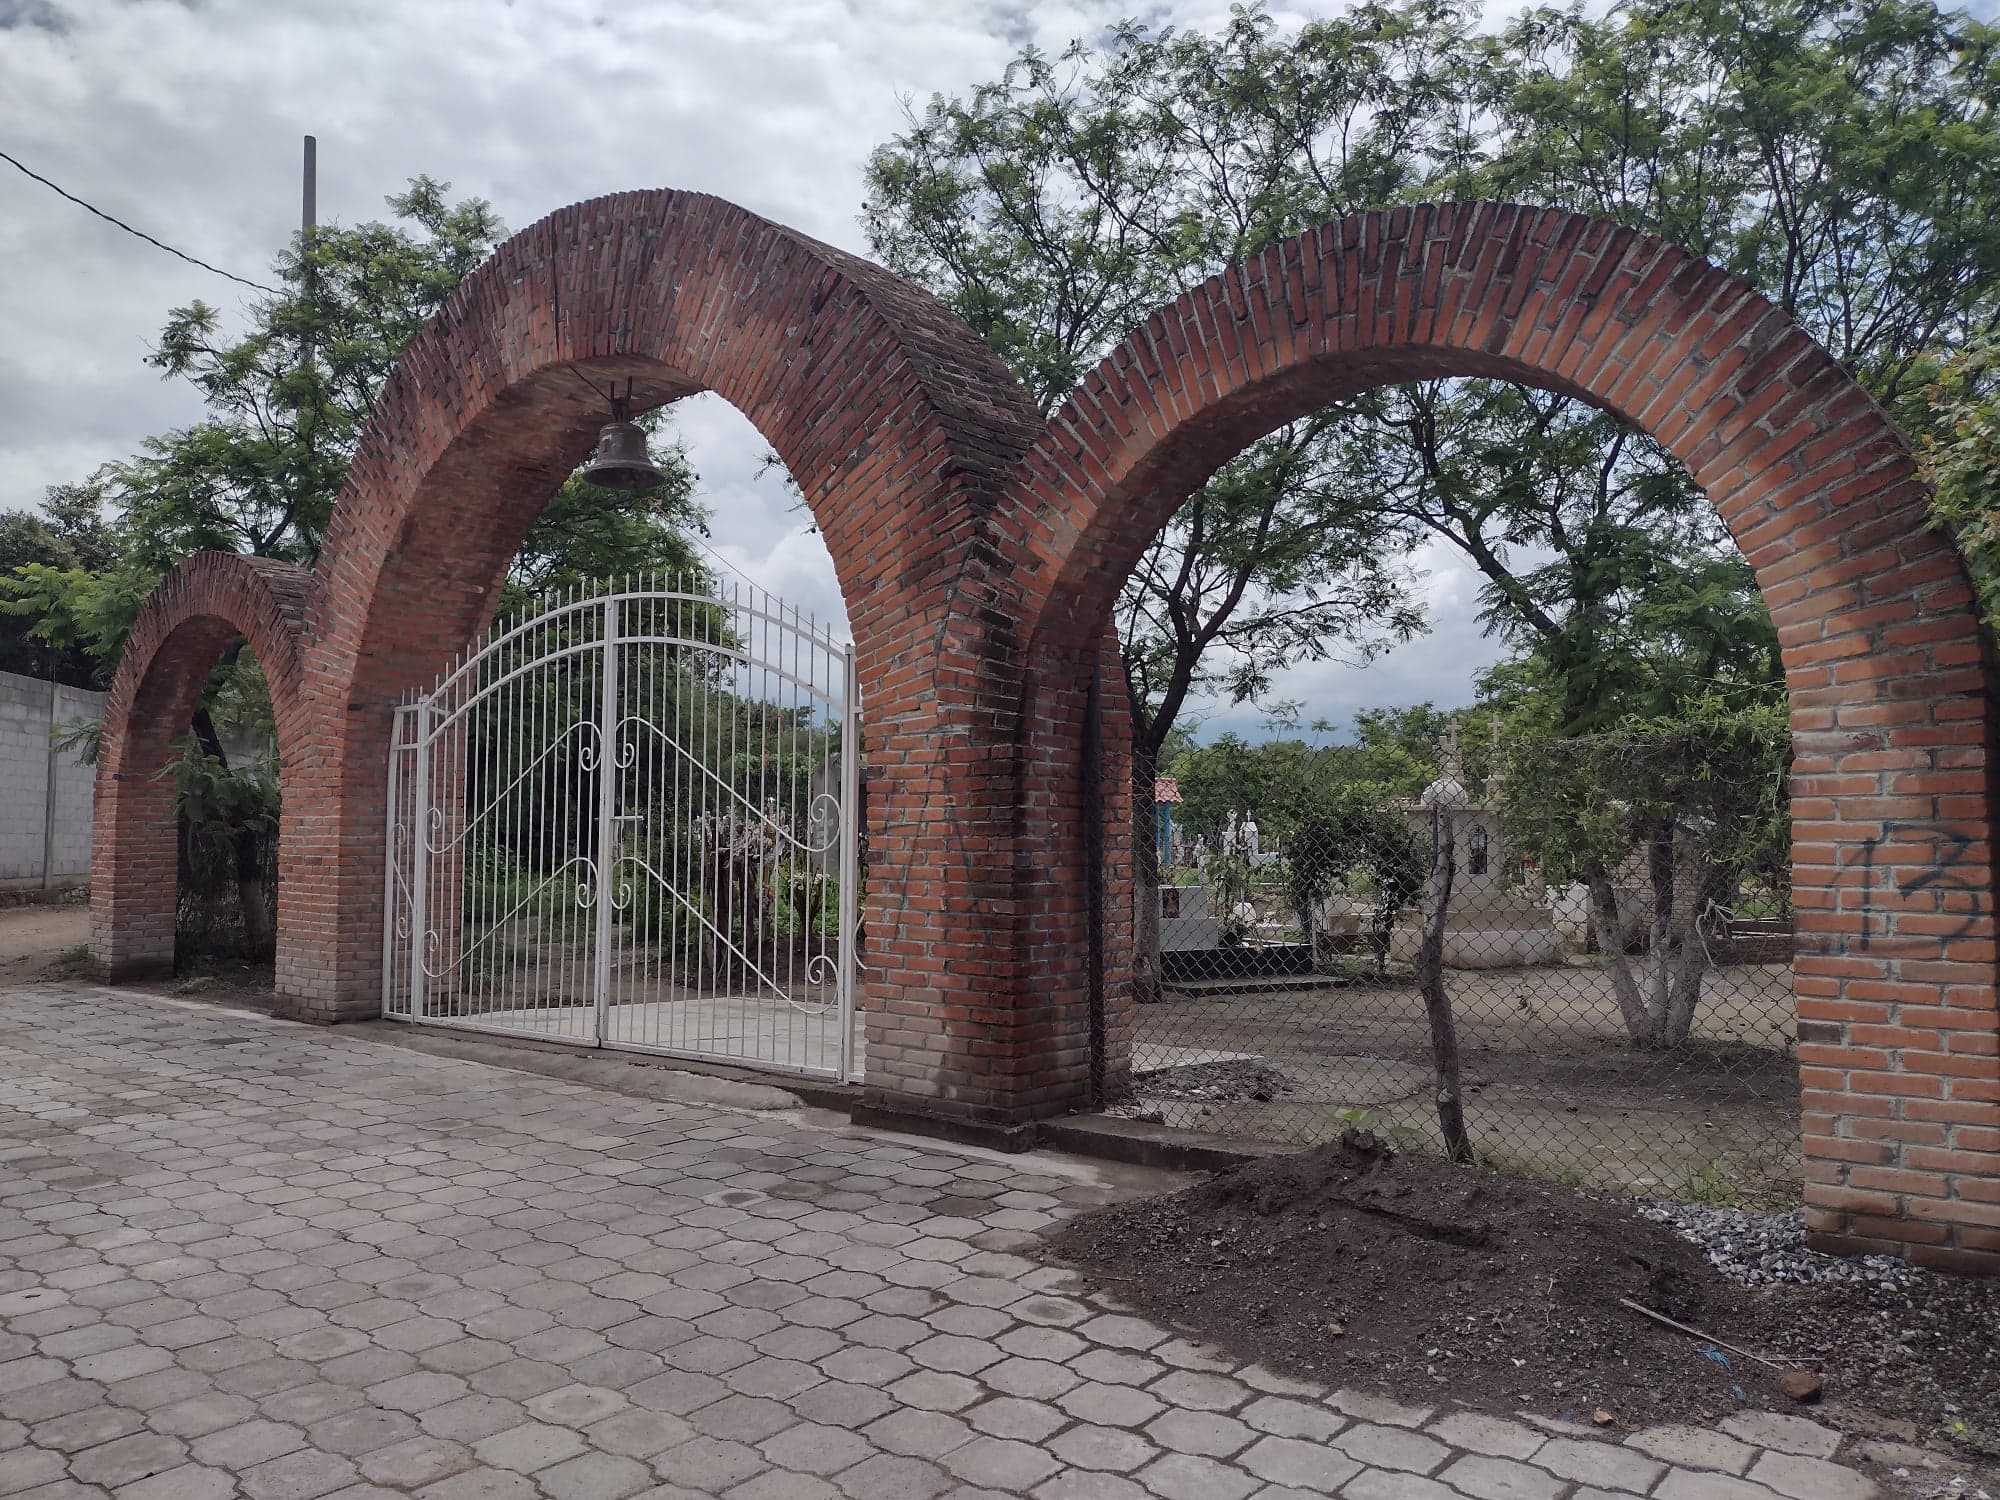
{"x": 621, "y": 461}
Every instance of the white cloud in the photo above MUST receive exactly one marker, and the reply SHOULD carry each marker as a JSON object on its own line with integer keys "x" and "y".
{"x": 184, "y": 117}
{"x": 1441, "y": 666}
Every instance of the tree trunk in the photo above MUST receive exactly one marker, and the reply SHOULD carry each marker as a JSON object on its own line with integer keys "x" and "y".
{"x": 258, "y": 934}
{"x": 1437, "y": 1004}
{"x": 259, "y": 937}
{"x": 1660, "y": 941}
{"x": 1684, "y": 993}
{"x": 1608, "y": 923}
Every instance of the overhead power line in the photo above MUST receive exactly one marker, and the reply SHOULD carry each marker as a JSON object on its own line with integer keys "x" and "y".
{"x": 192, "y": 260}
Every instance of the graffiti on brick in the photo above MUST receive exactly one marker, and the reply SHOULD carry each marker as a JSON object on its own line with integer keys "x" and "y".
{"x": 1955, "y": 868}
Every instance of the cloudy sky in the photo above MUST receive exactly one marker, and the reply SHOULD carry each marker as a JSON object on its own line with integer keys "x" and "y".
{"x": 184, "y": 118}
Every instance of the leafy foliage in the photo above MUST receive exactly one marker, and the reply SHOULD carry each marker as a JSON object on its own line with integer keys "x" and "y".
{"x": 288, "y": 396}
{"x": 1961, "y": 448}
{"x": 1692, "y": 807}
{"x": 1844, "y": 158}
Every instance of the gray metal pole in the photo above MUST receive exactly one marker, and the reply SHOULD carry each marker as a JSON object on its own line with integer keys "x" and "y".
{"x": 49, "y": 792}
{"x": 309, "y": 214}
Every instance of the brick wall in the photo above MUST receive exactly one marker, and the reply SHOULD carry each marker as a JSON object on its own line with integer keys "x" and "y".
{"x": 1893, "y": 705}
{"x": 980, "y": 551}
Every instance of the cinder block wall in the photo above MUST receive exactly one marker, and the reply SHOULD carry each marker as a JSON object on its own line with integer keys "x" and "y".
{"x": 25, "y": 804}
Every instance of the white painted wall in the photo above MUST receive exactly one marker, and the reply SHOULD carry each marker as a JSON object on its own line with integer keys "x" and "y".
{"x": 29, "y": 815}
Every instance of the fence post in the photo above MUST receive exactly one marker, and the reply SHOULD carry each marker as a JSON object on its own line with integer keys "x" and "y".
{"x": 607, "y": 814}
{"x": 49, "y": 794}
{"x": 849, "y": 834}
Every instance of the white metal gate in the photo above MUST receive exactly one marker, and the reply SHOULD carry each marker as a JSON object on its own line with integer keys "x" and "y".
{"x": 630, "y": 821}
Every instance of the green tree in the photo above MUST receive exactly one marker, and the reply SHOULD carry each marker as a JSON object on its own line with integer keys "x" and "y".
{"x": 287, "y": 396}
{"x": 1697, "y": 801}
{"x": 68, "y": 535}
{"x": 1055, "y": 208}
{"x": 1961, "y": 450}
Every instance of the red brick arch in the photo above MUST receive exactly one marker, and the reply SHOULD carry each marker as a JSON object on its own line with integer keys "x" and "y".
{"x": 979, "y": 552}
{"x": 899, "y": 426}
{"x": 183, "y": 628}
{"x": 1892, "y": 709}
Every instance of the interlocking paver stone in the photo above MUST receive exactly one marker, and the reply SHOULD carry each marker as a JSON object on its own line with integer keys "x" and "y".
{"x": 1695, "y": 1484}
{"x": 638, "y": 1433}
{"x": 480, "y": 1484}
{"x": 595, "y": 1476}
{"x": 891, "y": 1477}
{"x": 1111, "y": 1405}
{"x": 1293, "y": 1461}
{"x": 1201, "y": 1391}
{"x": 304, "y": 1475}
{"x": 1501, "y": 1479}
{"x": 334, "y": 1270}
{"x": 1080, "y": 1484}
{"x": 774, "y": 1485}
{"x": 707, "y": 1463}
{"x": 1482, "y": 1433}
{"x": 1200, "y": 1432}
{"x": 1810, "y": 1478}
{"x": 1601, "y": 1464}
{"x": 1365, "y": 1406}
{"x": 361, "y": 1431}
{"x": 415, "y": 1461}
{"x": 1391, "y": 1447}
{"x": 1693, "y": 1448}
{"x": 1782, "y": 1431}
{"x": 812, "y": 1448}
{"x": 1108, "y": 1448}
{"x": 1186, "y": 1476}
{"x": 918, "y": 1434}
{"x": 1383, "y": 1484}
{"x": 531, "y": 1446}
{"x": 743, "y": 1419}
{"x": 247, "y": 1443}
{"x": 1001, "y": 1463}
{"x": 1013, "y": 1417}
{"x": 188, "y": 1482}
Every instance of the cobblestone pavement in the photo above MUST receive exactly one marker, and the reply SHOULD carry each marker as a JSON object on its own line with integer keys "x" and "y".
{"x": 245, "y": 1258}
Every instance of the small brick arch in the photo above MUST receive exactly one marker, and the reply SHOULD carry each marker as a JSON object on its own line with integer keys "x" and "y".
{"x": 1891, "y": 689}
{"x": 183, "y": 628}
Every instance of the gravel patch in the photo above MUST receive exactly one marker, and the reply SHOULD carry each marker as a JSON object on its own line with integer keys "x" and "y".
{"x": 1769, "y": 1249}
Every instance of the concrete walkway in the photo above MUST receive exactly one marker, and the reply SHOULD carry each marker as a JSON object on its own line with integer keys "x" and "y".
{"x": 240, "y": 1257}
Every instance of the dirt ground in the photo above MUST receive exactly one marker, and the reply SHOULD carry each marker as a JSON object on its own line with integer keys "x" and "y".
{"x": 1354, "y": 1262}
{"x": 1551, "y": 1083}
{"x": 32, "y": 938}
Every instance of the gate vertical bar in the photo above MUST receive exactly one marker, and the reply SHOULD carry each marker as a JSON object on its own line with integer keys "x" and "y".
{"x": 607, "y": 813}
{"x": 390, "y": 856}
{"x": 420, "y": 860}
{"x": 848, "y": 825}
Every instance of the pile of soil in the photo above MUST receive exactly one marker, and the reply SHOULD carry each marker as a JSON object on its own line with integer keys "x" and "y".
{"x": 1353, "y": 1263}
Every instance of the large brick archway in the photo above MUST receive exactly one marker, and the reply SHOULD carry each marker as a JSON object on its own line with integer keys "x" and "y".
{"x": 899, "y": 427}
{"x": 979, "y": 552}
{"x": 1893, "y": 713}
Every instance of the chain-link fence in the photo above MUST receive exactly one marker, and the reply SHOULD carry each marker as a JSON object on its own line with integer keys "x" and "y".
{"x": 1576, "y": 964}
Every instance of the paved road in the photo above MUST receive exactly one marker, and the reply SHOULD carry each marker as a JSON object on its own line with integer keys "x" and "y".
{"x": 245, "y": 1258}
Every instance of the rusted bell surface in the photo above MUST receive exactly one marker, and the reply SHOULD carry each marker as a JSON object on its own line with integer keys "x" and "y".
{"x": 621, "y": 461}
